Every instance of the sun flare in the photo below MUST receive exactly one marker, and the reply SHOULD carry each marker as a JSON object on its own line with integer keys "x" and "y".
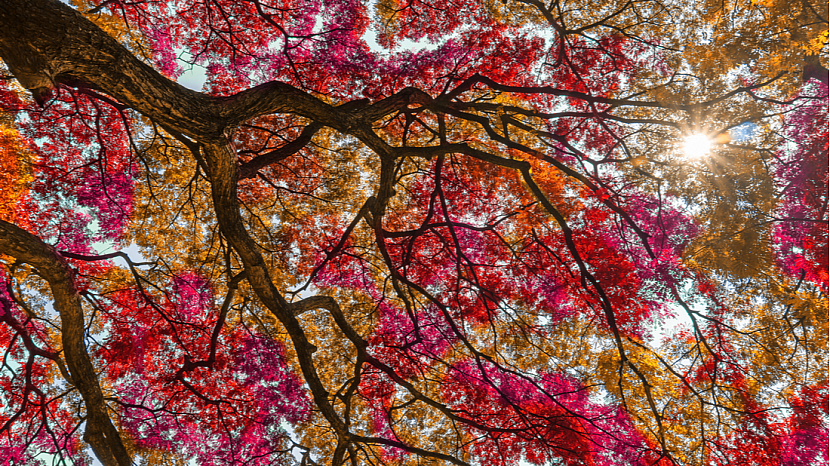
{"x": 696, "y": 146}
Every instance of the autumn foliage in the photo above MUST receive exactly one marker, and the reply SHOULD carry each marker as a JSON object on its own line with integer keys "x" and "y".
{"x": 413, "y": 232}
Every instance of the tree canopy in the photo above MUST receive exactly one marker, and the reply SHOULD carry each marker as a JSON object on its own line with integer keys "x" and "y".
{"x": 414, "y": 232}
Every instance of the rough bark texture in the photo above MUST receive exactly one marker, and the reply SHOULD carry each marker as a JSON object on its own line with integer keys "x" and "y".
{"x": 59, "y": 46}
{"x": 45, "y": 43}
{"x": 100, "y": 433}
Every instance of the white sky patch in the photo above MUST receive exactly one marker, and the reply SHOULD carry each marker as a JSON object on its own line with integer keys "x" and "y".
{"x": 406, "y": 45}
{"x": 194, "y": 76}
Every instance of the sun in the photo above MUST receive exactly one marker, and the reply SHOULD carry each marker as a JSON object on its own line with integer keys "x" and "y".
{"x": 696, "y": 146}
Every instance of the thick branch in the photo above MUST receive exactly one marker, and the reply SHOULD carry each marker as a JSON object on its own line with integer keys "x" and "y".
{"x": 46, "y": 43}
{"x": 221, "y": 160}
{"x": 100, "y": 432}
{"x": 249, "y": 169}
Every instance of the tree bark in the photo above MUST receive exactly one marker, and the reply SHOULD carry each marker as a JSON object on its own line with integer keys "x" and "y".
{"x": 100, "y": 432}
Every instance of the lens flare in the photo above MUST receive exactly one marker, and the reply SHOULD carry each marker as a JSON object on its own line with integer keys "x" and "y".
{"x": 696, "y": 146}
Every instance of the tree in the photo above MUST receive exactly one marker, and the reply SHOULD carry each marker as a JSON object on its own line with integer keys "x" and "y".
{"x": 428, "y": 232}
